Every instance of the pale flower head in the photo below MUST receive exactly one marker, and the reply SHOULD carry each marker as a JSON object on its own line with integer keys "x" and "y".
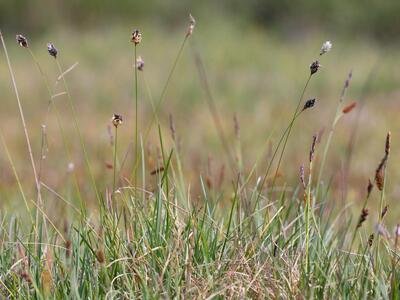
{"x": 326, "y": 47}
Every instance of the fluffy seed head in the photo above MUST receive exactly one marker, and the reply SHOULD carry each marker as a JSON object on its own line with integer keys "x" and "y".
{"x": 21, "y": 40}
{"x": 326, "y": 47}
{"x": 136, "y": 36}
{"x": 52, "y": 50}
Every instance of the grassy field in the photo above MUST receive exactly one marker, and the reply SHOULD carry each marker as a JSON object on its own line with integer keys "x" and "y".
{"x": 199, "y": 193}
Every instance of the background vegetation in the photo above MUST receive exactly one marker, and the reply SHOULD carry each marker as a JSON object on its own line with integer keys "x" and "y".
{"x": 256, "y": 55}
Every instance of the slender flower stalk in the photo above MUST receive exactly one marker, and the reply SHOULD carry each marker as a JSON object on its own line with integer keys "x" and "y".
{"x": 39, "y": 201}
{"x": 157, "y": 106}
{"x": 58, "y": 117}
{"x": 136, "y": 39}
{"x": 380, "y": 180}
{"x": 116, "y": 120}
{"x": 308, "y": 207}
{"x": 54, "y": 52}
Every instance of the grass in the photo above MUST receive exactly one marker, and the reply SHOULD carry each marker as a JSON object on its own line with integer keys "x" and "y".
{"x": 202, "y": 232}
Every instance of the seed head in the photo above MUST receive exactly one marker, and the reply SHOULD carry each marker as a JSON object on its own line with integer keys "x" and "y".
{"x": 384, "y": 211}
{"x": 369, "y": 188}
{"x": 380, "y": 176}
{"x": 326, "y": 47}
{"x": 363, "y": 217}
{"x": 52, "y": 50}
{"x": 312, "y": 151}
{"x": 136, "y": 36}
{"x": 314, "y": 67}
{"x": 388, "y": 142}
{"x": 116, "y": 120}
{"x": 192, "y": 23}
{"x": 140, "y": 63}
{"x": 349, "y": 108}
{"x": 303, "y": 182}
{"x": 370, "y": 240}
{"x": 309, "y": 104}
{"x": 21, "y": 40}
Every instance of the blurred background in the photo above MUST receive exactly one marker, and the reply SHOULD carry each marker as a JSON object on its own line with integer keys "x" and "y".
{"x": 256, "y": 55}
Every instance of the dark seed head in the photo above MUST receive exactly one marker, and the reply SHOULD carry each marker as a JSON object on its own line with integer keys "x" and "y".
{"x": 388, "y": 142}
{"x": 370, "y": 240}
{"x": 312, "y": 151}
{"x": 22, "y": 41}
{"x": 369, "y": 188}
{"x": 52, "y": 50}
{"x": 309, "y": 104}
{"x": 363, "y": 217}
{"x": 314, "y": 67}
{"x": 384, "y": 211}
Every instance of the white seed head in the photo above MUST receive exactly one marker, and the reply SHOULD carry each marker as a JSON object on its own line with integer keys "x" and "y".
{"x": 326, "y": 47}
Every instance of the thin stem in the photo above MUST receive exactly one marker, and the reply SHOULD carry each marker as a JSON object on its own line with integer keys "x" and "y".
{"x": 307, "y": 221}
{"x": 115, "y": 157}
{"x": 290, "y": 130}
{"x": 21, "y": 112}
{"x": 159, "y": 102}
{"x": 381, "y": 205}
{"x": 75, "y": 120}
{"x": 136, "y": 121}
{"x": 58, "y": 117}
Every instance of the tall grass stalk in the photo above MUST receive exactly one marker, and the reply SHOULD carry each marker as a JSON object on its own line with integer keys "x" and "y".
{"x": 115, "y": 157}
{"x": 25, "y": 129}
{"x": 136, "y": 161}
